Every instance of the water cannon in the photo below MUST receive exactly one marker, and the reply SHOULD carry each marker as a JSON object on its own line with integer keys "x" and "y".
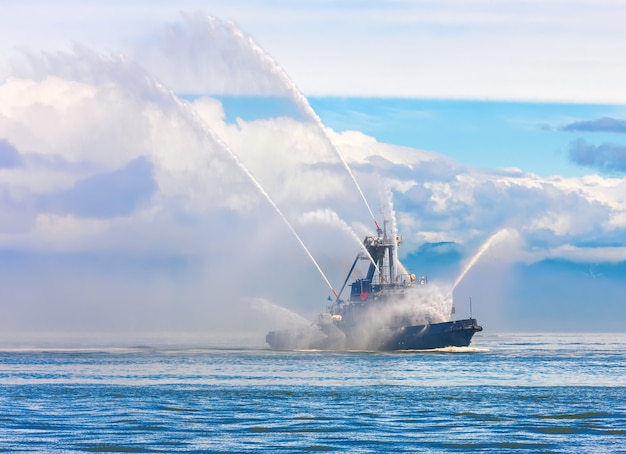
{"x": 379, "y": 231}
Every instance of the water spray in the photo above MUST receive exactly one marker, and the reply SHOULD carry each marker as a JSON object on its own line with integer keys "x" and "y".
{"x": 394, "y": 231}
{"x": 268, "y": 307}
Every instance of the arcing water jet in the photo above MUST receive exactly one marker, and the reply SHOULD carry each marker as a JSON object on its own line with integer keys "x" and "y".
{"x": 486, "y": 245}
{"x": 297, "y": 96}
{"x": 330, "y": 217}
{"x": 195, "y": 120}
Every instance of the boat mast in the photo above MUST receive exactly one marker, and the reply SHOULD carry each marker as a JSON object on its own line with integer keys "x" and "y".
{"x": 348, "y": 276}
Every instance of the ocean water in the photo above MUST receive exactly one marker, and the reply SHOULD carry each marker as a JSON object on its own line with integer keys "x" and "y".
{"x": 506, "y": 393}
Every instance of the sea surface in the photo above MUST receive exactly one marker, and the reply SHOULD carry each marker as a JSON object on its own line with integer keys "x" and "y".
{"x": 560, "y": 393}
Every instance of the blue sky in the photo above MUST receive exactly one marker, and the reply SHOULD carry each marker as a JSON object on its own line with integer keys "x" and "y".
{"x": 492, "y": 134}
{"x": 532, "y": 136}
{"x": 128, "y": 134}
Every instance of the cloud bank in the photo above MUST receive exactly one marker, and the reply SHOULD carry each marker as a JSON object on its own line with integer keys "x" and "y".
{"x": 137, "y": 211}
{"x": 448, "y": 49}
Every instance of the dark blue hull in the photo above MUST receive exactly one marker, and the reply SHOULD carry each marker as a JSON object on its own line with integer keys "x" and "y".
{"x": 437, "y": 335}
{"x": 419, "y": 337}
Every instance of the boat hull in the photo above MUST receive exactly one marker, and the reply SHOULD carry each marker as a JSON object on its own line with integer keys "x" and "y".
{"x": 457, "y": 333}
{"x": 416, "y": 337}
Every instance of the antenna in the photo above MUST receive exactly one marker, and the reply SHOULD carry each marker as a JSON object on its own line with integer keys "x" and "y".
{"x": 470, "y": 306}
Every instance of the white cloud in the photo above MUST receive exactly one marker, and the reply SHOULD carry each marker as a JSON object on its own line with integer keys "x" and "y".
{"x": 40, "y": 117}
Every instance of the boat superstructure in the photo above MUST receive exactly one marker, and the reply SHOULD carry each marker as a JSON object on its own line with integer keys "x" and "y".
{"x": 384, "y": 310}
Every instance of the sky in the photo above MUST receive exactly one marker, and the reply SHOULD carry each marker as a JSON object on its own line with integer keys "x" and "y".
{"x": 156, "y": 160}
